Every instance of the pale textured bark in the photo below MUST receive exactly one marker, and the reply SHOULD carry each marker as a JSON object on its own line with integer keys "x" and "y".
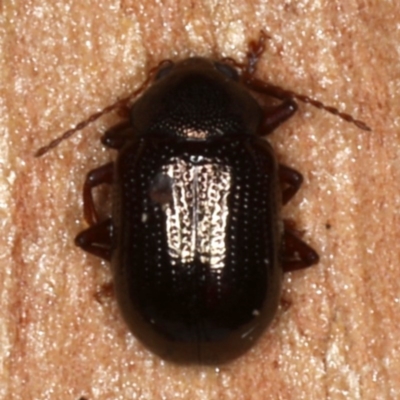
{"x": 337, "y": 334}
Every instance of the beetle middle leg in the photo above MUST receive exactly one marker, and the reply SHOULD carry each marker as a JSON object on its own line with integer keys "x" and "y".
{"x": 97, "y": 238}
{"x": 94, "y": 178}
{"x": 291, "y": 181}
{"x": 296, "y": 253}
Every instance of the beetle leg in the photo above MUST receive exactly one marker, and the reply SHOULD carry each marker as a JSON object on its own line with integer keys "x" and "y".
{"x": 276, "y": 115}
{"x": 116, "y": 136}
{"x": 296, "y": 254}
{"x": 291, "y": 181}
{"x": 97, "y": 239}
{"x": 95, "y": 177}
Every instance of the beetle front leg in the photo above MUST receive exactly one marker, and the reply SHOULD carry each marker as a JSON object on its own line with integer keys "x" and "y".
{"x": 296, "y": 254}
{"x": 290, "y": 180}
{"x": 277, "y": 115}
{"x": 97, "y": 239}
{"x": 116, "y": 136}
{"x": 96, "y": 177}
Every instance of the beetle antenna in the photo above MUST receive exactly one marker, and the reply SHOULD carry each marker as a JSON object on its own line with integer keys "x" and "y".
{"x": 282, "y": 94}
{"x": 119, "y": 104}
{"x": 256, "y": 49}
{"x": 333, "y": 110}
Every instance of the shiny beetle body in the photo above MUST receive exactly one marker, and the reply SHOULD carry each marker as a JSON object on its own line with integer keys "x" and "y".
{"x": 196, "y": 242}
{"x": 196, "y": 217}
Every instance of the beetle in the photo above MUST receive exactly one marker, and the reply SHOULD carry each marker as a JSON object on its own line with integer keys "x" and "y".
{"x": 196, "y": 242}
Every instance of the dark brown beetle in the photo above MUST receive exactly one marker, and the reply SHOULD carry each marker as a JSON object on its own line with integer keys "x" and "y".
{"x": 195, "y": 239}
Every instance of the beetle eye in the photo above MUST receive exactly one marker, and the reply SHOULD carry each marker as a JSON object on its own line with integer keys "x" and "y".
{"x": 165, "y": 68}
{"x": 227, "y": 70}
